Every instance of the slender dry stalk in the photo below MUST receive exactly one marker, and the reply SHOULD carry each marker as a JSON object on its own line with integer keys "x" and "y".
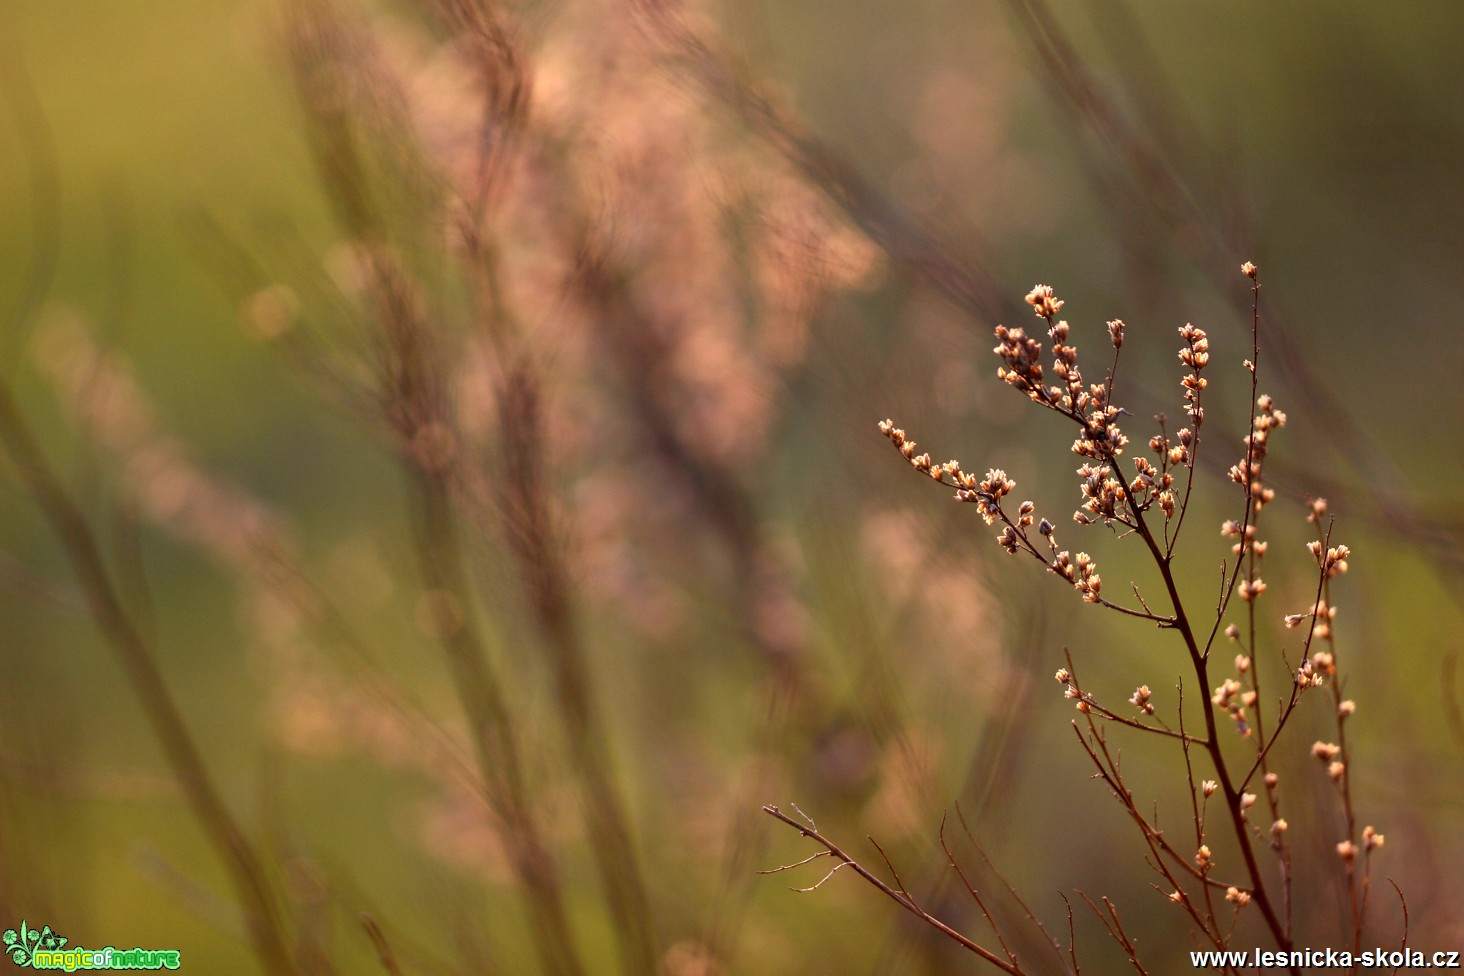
{"x": 522, "y": 492}
{"x": 493, "y": 728}
{"x": 899, "y": 894}
{"x": 410, "y": 399}
{"x": 382, "y": 947}
{"x": 544, "y": 577}
{"x": 640, "y": 349}
{"x": 523, "y": 508}
{"x": 261, "y": 903}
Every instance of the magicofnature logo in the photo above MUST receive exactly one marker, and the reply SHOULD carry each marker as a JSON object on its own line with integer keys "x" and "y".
{"x": 22, "y": 946}
{"x": 43, "y": 949}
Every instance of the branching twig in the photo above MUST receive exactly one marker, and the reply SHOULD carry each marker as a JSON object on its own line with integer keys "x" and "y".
{"x": 900, "y": 897}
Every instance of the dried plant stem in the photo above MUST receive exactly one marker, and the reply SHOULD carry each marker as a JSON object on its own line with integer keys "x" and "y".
{"x": 1199, "y": 661}
{"x": 384, "y": 952}
{"x": 901, "y": 896}
{"x": 264, "y": 915}
{"x": 1108, "y": 916}
{"x": 635, "y": 346}
{"x": 526, "y": 520}
{"x": 491, "y": 724}
{"x": 525, "y": 514}
{"x": 1027, "y": 913}
{"x": 976, "y": 897}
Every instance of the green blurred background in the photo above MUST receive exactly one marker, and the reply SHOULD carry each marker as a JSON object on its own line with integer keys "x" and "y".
{"x": 1326, "y": 138}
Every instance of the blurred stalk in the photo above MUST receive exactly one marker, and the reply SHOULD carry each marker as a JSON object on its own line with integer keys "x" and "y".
{"x": 523, "y": 499}
{"x": 260, "y": 902}
{"x": 412, "y": 405}
{"x": 637, "y": 347}
{"x": 491, "y": 724}
{"x": 544, "y": 577}
{"x": 331, "y": 60}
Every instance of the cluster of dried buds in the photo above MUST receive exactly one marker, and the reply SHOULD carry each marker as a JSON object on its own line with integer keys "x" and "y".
{"x": 1248, "y": 470}
{"x": 1233, "y": 698}
{"x": 1108, "y": 497}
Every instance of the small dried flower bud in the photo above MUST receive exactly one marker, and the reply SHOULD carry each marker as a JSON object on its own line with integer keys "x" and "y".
{"x": 1202, "y": 856}
{"x": 1347, "y": 850}
{"x": 1083, "y": 706}
{"x": 1271, "y": 780}
{"x": 1140, "y": 700}
{"x": 1063, "y": 675}
{"x": 1177, "y": 897}
{"x": 1208, "y": 787}
{"x": 1115, "y": 333}
{"x": 1044, "y": 302}
{"x": 1325, "y": 751}
{"x": 1242, "y": 663}
{"x": 1045, "y": 528}
{"x": 1225, "y": 693}
{"x": 1250, "y": 589}
{"x": 1371, "y": 838}
{"x": 1336, "y": 770}
{"x": 1240, "y": 898}
{"x": 1026, "y": 508}
{"x": 1249, "y": 270}
{"x": 1346, "y": 708}
{"x": 997, "y": 484}
{"x": 1247, "y": 800}
{"x": 1280, "y": 826}
{"x": 1232, "y": 632}
{"x": 1294, "y": 620}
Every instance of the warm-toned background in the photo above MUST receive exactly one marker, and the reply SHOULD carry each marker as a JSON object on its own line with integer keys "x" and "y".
{"x": 772, "y": 608}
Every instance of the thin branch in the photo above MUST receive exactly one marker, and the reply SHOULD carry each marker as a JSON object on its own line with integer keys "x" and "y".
{"x": 975, "y": 895}
{"x": 379, "y": 943}
{"x": 902, "y": 899}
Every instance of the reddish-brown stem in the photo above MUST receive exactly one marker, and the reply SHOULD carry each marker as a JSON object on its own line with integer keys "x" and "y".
{"x": 900, "y": 897}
